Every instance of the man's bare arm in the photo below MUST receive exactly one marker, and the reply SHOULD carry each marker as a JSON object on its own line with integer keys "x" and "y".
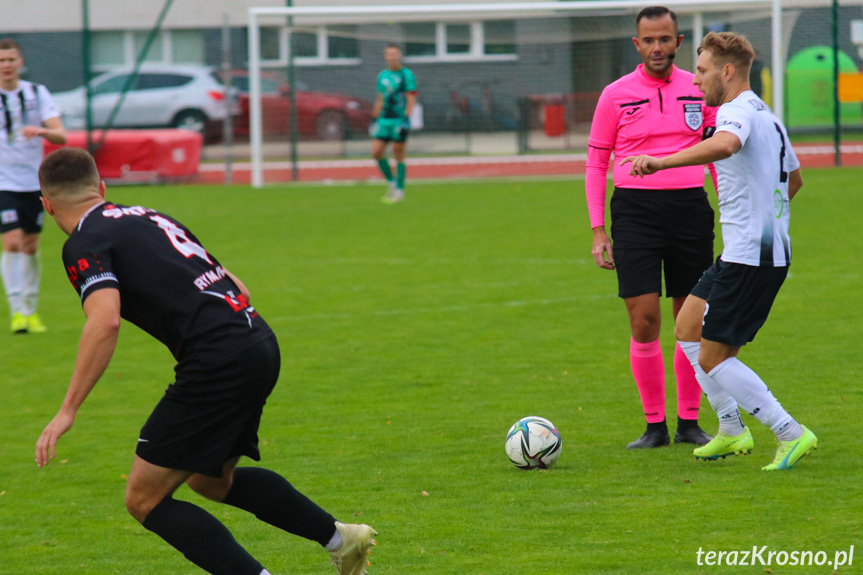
{"x": 98, "y": 340}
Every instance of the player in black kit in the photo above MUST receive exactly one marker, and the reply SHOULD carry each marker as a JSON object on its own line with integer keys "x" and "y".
{"x": 143, "y": 266}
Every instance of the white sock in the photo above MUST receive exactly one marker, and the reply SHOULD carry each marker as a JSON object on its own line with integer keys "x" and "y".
{"x": 752, "y": 394}
{"x": 722, "y": 403}
{"x": 265, "y": 572}
{"x": 335, "y": 542}
{"x": 32, "y": 275}
{"x": 12, "y": 269}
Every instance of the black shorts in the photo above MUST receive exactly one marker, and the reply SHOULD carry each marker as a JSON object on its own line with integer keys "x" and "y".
{"x": 204, "y": 420}
{"x": 739, "y": 298}
{"x": 652, "y": 229}
{"x": 21, "y": 210}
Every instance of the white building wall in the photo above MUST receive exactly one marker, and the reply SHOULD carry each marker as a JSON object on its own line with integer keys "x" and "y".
{"x": 66, "y": 15}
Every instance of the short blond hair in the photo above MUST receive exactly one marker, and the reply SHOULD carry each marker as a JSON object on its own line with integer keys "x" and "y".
{"x": 729, "y": 48}
{"x": 68, "y": 171}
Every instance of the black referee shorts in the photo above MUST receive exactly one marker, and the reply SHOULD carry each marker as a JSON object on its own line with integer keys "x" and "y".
{"x": 739, "y": 298}
{"x": 204, "y": 420}
{"x": 652, "y": 229}
{"x": 21, "y": 210}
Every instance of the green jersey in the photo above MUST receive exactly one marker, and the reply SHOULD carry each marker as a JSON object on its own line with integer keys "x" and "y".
{"x": 394, "y": 86}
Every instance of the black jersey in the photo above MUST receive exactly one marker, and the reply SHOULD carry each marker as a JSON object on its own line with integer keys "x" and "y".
{"x": 169, "y": 285}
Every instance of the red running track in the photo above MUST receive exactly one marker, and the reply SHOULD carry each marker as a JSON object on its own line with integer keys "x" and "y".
{"x": 811, "y": 156}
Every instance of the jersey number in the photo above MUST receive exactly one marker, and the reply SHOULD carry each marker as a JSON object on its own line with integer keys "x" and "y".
{"x": 179, "y": 240}
{"x": 783, "y": 175}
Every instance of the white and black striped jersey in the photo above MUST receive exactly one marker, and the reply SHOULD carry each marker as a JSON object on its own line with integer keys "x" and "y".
{"x": 29, "y": 105}
{"x": 754, "y": 209}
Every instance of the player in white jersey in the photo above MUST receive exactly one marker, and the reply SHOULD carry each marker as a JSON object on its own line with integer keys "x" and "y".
{"x": 27, "y": 114}
{"x": 758, "y": 175}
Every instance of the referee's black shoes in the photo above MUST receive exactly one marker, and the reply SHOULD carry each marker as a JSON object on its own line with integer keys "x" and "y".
{"x": 694, "y": 435}
{"x": 689, "y": 432}
{"x": 655, "y": 436}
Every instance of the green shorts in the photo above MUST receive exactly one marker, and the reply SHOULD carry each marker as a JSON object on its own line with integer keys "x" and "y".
{"x": 392, "y": 129}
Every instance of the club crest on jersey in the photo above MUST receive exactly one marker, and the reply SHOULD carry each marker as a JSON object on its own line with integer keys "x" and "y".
{"x": 693, "y": 116}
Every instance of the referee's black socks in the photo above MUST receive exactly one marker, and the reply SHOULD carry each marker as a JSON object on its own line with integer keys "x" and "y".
{"x": 686, "y": 423}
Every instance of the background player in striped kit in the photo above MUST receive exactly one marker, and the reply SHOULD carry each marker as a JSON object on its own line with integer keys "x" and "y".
{"x": 28, "y": 115}
{"x": 662, "y": 222}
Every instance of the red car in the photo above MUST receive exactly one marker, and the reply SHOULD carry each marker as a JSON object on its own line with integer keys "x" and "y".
{"x": 320, "y": 115}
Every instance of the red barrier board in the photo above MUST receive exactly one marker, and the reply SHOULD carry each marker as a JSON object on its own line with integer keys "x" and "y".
{"x": 142, "y": 155}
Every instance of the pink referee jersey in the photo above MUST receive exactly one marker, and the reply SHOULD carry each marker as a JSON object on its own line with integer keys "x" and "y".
{"x": 639, "y": 114}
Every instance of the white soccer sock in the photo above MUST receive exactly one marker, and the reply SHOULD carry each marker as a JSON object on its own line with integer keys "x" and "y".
{"x": 722, "y": 403}
{"x": 32, "y": 275}
{"x": 752, "y": 394}
{"x": 335, "y": 542}
{"x": 12, "y": 269}
{"x": 265, "y": 572}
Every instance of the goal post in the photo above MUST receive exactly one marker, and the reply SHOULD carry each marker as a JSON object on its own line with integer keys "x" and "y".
{"x": 461, "y": 30}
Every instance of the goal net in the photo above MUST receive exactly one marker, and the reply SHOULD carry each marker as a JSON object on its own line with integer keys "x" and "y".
{"x": 494, "y": 79}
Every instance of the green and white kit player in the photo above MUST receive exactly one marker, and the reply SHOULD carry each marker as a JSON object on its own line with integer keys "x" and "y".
{"x": 397, "y": 94}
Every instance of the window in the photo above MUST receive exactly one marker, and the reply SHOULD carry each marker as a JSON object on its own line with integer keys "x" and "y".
{"x": 271, "y": 48}
{"x": 121, "y": 48}
{"x": 269, "y": 86}
{"x": 330, "y": 45}
{"x": 457, "y": 38}
{"x": 187, "y": 47}
{"x": 154, "y": 81}
{"x": 499, "y": 37}
{"x": 305, "y": 44}
{"x": 108, "y": 49}
{"x": 240, "y": 83}
{"x": 475, "y": 41}
{"x": 155, "y": 55}
{"x": 145, "y": 81}
{"x": 420, "y": 39}
{"x": 342, "y": 42}
{"x": 113, "y": 85}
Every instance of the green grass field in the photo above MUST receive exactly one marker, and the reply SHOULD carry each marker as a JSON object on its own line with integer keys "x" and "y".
{"x": 413, "y": 336}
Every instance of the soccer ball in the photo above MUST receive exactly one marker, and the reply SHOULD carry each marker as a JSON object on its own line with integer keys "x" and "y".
{"x": 533, "y": 442}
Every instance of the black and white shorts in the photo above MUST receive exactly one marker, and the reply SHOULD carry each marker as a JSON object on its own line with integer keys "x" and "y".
{"x": 21, "y": 210}
{"x": 739, "y": 298}
{"x": 205, "y": 419}
{"x": 656, "y": 229}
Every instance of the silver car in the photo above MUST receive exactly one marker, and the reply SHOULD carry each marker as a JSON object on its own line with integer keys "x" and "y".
{"x": 187, "y": 97}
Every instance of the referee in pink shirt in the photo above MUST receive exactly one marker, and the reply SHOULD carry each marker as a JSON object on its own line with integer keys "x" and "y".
{"x": 662, "y": 223}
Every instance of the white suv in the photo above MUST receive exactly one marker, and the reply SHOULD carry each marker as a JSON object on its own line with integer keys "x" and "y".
{"x": 187, "y": 97}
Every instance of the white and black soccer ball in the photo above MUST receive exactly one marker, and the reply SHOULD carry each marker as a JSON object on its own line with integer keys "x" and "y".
{"x": 533, "y": 442}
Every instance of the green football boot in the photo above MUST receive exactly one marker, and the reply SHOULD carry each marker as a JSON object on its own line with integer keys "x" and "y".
{"x": 34, "y": 324}
{"x": 19, "y": 324}
{"x": 724, "y": 445}
{"x": 790, "y": 452}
